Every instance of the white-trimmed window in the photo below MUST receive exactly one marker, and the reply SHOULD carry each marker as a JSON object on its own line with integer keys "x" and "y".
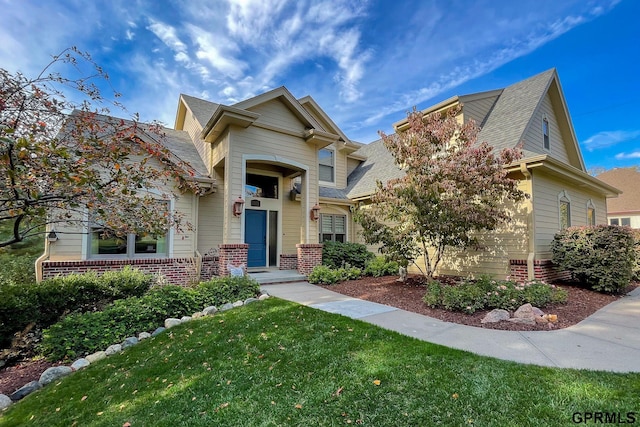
{"x": 103, "y": 243}
{"x": 545, "y": 133}
{"x": 333, "y": 228}
{"x": 564, "y": 210}
{"x": 326, "y": 165}
{"x": 591, "y": 213}
{"x": 625, "y": 222}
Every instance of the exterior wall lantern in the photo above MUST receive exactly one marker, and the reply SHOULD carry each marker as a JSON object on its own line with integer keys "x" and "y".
{"x": 52, "y": 236}
{"x": 314, "y": 214}
{"x": 238, "y": 206}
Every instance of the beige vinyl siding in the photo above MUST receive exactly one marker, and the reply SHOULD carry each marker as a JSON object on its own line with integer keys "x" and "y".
{"x": 533, "y": 137}
{"x": 276, "y": 113}
{"x": 184, "y": 241}
{"x": 193, "y": 128}
{"x": 546, "y": 189}
{"x": 478, "y": 109}
{"x": 340, "y": 167}
{"x": 211, "y": 220}
{"x": 258, "y": 141}
{"x": 68, "y": 247}
{"x": 352, "y": 164}
{"x": 508, "y": 241}
{"x": 291, "y": 220}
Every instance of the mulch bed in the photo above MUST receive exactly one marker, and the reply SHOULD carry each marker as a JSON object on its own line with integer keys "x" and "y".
{"x": 408, "y": 296}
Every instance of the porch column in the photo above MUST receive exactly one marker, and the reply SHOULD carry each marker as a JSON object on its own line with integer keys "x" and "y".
{"x": 231, "y": 253}
{"x": 309, "y": 255}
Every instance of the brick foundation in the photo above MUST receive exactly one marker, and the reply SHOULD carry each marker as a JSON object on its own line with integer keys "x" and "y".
{"x": 288, "y": 262}
{"x": 543, "y": 269}
{"x": 233, "y": 253}
{"x": 178, "y": 271}
{"x": 309, "y": 255}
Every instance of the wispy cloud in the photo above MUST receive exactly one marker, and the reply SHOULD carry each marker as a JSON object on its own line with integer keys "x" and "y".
{"x": 627, "y": 156}
{"x": 607, "y": 139}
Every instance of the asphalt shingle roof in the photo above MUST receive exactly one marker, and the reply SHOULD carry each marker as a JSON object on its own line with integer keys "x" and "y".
{"x": 181, "y": 146}
{"x": 380, "y": 165}
{"x": 627, "y": 180}
{"x": 203, "y": 110}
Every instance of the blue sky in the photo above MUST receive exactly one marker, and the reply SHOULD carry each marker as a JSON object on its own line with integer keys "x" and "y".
{"x": 365, "y": 62}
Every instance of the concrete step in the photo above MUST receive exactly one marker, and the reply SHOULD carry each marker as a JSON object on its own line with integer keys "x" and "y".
{"x": 277, "y": 276}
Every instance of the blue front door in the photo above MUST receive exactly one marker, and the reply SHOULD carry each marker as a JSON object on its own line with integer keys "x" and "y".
{"x": 255, "y": 234}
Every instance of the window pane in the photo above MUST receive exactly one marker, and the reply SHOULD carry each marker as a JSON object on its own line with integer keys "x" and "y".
{"x": 107, "y": 246}
{"x": 326, "y": 238}
{"x": 327, "y": 224}
{"x": 326, "y": 173}
{"x": 148, "y": 244}
{"x": 591, "y": 216}
{"x": 545, "y": 133}
{"x": 261, "y": 186}
{"x": 339, "y": 224}
{"x": 340, "y": 238}
{"x": 565, "y": 215}
{"x": 326, "y": 165}
{"x": 614, "y": 221}
{"x": 625, "y": 221}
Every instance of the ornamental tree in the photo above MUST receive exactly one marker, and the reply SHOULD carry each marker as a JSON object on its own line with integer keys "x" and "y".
{"x": 64, "y": 160}
{"x": 453, "y": 188}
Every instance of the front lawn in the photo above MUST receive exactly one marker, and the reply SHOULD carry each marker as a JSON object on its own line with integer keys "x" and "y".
{"x": 279, "y": 363}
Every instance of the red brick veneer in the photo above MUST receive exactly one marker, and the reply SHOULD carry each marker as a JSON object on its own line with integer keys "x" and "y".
{"x": 309, "y": 255}
{"x": 234, "y": 253}
{"x": 543, "y": 269}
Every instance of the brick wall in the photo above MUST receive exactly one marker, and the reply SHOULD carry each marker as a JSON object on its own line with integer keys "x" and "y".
{"x": 179, "y": 271}
{"x": 231, "y": 253}
{"x": 210, "y": 266}
{"x": 288, "y": 261}
{"x": 309, "y": 255}
{"x": 543, "y": 269}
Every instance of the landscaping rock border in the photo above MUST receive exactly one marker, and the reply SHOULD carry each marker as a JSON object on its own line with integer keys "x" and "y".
{"x": 53, "y": 374}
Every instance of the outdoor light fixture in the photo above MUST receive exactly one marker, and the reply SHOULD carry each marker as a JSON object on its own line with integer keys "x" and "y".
{"x": 52, "y": 236}
{"x": 238, "y": 206}
{"x": 315, "y": 212}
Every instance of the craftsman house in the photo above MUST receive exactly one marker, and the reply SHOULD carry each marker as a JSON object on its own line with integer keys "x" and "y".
{"x": 282, "y": 177}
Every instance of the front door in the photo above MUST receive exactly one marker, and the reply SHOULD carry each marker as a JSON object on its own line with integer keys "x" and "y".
{"x": 255, "y": 231}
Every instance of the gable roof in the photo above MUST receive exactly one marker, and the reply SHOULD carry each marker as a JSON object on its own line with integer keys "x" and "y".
{"x": 626, "y": 179}
{"x": 201, "y": 109}
{"x": 379, "y": 165}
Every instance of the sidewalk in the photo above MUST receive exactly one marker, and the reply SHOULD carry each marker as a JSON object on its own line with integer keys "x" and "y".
{"x": 609, "y": 340}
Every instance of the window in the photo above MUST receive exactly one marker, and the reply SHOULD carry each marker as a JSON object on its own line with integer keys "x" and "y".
{"x": 564, "y": 210}
{"x": 545, "y": 133}
{"x": 333, "y": 228}
{"x": 261, "y": 186}
{"x": 591, "y": 213}
{"x": 103, "y": 242}
{"x": 614, "y": 221}
{"x": 626, "y": 222}
{"x": 326, "y": 165}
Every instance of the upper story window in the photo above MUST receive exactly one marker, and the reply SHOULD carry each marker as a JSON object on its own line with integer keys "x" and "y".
{"x": 545, "y": 133}
{"x": 326, "y": 165}
{"x": 261, "y": 186}
{"x": 564, "y": 210}
{"x": 105, "y": 242}
{"x": 591, "y": 213}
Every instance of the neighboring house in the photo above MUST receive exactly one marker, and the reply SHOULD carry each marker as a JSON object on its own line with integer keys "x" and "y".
{"x": 283, "y": 177}
{"x": 625, "y": 209}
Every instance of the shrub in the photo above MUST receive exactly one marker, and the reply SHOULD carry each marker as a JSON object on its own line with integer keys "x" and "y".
{"x": 486, "y": 293}
{"x": 379, "y": 267}
{"x": 338, "y": 254}
{"x": 602, "y": 257}
{"x": 82, "y": 333}
{"x": 636, "y": 265}
{"x": 44, "y": 303}
{"x": 328, "y": 276}
{"x": 18, "y": 270}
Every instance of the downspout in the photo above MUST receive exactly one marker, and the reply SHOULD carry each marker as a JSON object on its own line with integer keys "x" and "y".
{"x": 40, "y": 260}
{"x": 530, "y": 225}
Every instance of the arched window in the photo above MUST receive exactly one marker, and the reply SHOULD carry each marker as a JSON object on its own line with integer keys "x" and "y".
{"x": 564, "y": 210}
{"x": 591, "y": 213}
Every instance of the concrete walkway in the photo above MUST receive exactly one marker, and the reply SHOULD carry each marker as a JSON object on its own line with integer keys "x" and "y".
{"x": 609, "y": 340}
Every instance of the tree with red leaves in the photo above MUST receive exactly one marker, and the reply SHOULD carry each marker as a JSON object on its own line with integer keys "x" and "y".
{"x": 63, "y": 158}
{"x": 453, "y": 188}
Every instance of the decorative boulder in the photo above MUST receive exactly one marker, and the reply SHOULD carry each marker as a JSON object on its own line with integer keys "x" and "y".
{"x": 158, "y": 331}
{"x": 227, "y": 306}
{"x": 171, "y": 322}
{"x": 250, "y": 300}
{"x": 54, "y": 373}
{"x": 210, "y": 311}
{"x": 80, "y": 363}
{"x": 525, "y": 315}
{"x": 5, "y": 401}
{"x": 25, "y": 390}
{"x": 113, "y": 349}
{"x": 143, "y": 336}
{"x": 184, "y": 319}
{"x": 495, "y": 316}
{"x": 98, "y": 355}
{"x": 129, "y": 342}
{"x": 263, "y": 297}
{"x": 238, "y": 304}
{"x": 197, "y": 315}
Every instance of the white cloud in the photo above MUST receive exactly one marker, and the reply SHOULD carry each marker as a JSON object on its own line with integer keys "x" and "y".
{"x": 167, "y": 34}
{"x": 625, "y": 156}
{"x": 609, "y": 138}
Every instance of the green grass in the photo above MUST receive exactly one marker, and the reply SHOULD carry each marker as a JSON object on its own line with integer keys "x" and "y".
{"x": 277, "y": 363}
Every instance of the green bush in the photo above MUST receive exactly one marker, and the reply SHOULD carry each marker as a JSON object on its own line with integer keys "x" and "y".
{"x": 636, "y": 265}
{"x": 328, "y": 276}
{"x": 83, "y": 333}
{"x": 18, "y": 270}
{"x": 379, "y": 267}
{"x": 337, "y": 254}
{"x": 44, "y": 303}
{"x": 486, "y": 293}
{"x": 602, "y": 257}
